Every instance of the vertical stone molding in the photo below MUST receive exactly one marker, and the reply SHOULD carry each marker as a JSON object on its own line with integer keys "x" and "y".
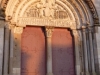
{"x": 6, "y": 51}
{"x": 92, "y": 51}
{"x": 49, "y": 31}
{"x": 1, "y": 48}
{"x": 77, "y": 49}
{"x": 85, "y": 51}
{"x": 17, "y": 50}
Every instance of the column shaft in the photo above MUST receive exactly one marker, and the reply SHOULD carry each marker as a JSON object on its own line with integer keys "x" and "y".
{"x": 85, "y": 53}
{"x": 49, "y": 51}
{"x": 77, "y": 56}
{"x": 92, "y": 52}
{"x": 6, "y": 52}
{"x": 96, "y": 53}
{"x": 49, "y": 56}
{"x": 88, "y": 50}
{"x": 11, "y": 50}
{"x": 1, "y": 48}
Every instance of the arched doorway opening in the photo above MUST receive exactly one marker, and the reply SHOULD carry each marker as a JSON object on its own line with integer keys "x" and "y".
{"x": 34, "y": 51}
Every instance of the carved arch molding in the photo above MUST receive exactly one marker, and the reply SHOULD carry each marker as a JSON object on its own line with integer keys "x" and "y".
{"x": 63, "y": 13}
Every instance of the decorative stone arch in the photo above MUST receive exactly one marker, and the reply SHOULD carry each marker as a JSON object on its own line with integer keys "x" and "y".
{"x": 81, "y": 17}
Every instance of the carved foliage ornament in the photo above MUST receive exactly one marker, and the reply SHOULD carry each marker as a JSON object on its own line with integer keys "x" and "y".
{"x": 49, "y": 31}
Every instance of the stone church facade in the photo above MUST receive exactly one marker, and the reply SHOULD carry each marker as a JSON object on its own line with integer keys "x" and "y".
{"x": 49, "y": 37}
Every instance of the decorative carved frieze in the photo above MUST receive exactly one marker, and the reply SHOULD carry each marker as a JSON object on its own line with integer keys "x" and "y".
{"x": 46, "y": 22}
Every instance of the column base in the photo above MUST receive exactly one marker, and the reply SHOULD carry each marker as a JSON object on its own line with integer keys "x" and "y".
{"x": 5, "y": 74}
{"x": 87, "y": 73}
{"x": 49, "y": 74}
{"x": 82, "y": 73}
{"x": 94, "y": 73}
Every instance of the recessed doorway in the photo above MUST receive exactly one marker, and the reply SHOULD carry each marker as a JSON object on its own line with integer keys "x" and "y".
{"x": 33, "y": 52}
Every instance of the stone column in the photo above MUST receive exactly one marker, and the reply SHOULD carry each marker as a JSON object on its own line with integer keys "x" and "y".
{"x": 6, "y": 51}
{"x": 97, "y": 37}
{"x": 77, "y": 51}
{"x": 85, "y": 52}
{"x": 17, "y": 51}
{"x": 95, "y": 51}
{"x": 92, "y": 51}
{"x": 81, "y": 52}
{"x": 1, "y": 45}
{"x": 11, "y": 49}
{"x": 49, "y": 50}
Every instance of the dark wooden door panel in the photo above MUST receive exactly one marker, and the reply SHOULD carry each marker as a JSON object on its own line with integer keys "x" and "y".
{"x": 63, "y": 55}
{"x": 33, "y": 52}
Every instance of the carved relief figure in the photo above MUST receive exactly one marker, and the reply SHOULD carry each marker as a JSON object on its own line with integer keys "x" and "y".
{"x": 43, "y": 1}
{"x": 41, "y": 9}
{"x": 52, "y": 2}
{"x": 47, "y": 9}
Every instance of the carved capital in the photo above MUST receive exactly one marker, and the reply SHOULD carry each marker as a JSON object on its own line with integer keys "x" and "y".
{"x": 73, "y": 27}
{"x": 76, "y": 36}
{"x": 49, "y": 31}
{"x": 75, "y": 32}
{"x": 8, "y": 18}
{"x": 90, "y": 29}
{"x": 84, "y": 29}
{"x": 2, "y": 13}
{"x": 6, "y": 25}
{"x": 18, "y": 30}
{"x": 96, "y": 20}
{"x": 2, "y": 23}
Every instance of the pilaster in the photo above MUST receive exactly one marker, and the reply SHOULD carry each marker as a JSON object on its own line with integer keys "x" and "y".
{"x": 17, "y": 50}
{"x": 1, "y": 44}
{"x": 6, "y": 50}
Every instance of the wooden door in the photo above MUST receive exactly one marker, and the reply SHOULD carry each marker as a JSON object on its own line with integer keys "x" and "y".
{"x": 33, "y": 51}
{"x": 63, "y": 53}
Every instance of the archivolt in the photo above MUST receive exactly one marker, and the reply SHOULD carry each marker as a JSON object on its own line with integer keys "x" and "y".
{"x": 80, "y": 12}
